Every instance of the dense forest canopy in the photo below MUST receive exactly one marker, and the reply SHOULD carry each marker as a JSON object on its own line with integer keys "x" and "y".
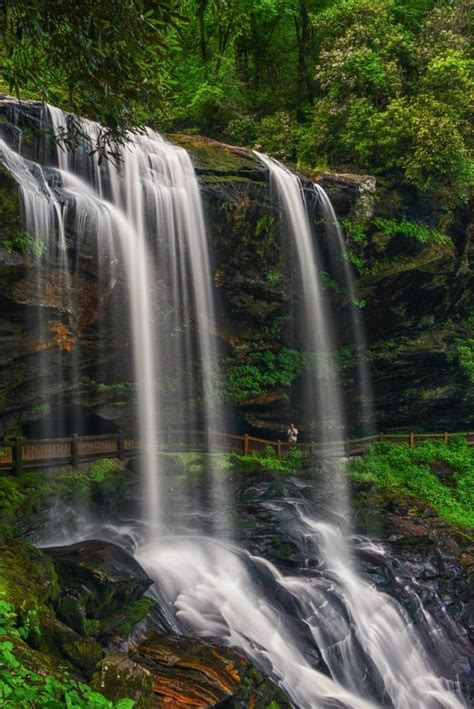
{"x": 384, "y": 86}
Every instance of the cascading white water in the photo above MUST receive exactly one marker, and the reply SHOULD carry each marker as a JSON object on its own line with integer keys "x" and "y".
{"x": 146, "y": 214}
{"x": 373, "y": 654}
{"x": 317, "y": 334}
{"x": 44, "y": 225}
{"x": 339, "y": 256}
{"x": 402, "y": 669}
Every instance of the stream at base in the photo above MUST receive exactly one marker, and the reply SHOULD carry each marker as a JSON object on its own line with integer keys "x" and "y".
{"x": 289, "y": 597}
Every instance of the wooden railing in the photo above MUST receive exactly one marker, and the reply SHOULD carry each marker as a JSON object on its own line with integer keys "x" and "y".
{"x": 19, "y": 454}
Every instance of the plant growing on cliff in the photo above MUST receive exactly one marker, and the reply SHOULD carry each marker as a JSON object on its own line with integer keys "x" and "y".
{"x": 263, "y": 371}
{"x": 26, "y": 245}
{"x": 414, "y": 230}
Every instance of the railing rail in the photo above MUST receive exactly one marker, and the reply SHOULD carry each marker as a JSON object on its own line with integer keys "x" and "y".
{"x": 17, "y": 455}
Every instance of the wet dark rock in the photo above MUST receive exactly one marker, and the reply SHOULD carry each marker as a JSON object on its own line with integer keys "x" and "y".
{"x": 187, "y": 672}
{"x": 100, "y": 575}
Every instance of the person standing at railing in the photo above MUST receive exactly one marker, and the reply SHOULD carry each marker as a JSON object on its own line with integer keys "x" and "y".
{"x": 292, "y": 434}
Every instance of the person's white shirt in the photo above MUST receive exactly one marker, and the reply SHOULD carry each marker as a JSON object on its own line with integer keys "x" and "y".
{"x": 292, "y": 435}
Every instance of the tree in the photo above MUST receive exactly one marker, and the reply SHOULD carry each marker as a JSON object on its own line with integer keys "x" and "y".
{"x": 101, "y": 58}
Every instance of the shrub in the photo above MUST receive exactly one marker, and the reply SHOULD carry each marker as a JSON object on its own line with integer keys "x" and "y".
{"x": 20, "y": 686}
{"x": 404, "y": 470}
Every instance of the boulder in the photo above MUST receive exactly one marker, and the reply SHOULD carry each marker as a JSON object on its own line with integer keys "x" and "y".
{"x": 116, "y": 677}
{"x": 191, "y": 673}
{"x": 100, "y": 576}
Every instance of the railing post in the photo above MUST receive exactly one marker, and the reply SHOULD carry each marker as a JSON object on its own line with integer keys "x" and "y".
{"x": 278, "y": 449}
{"x": 446, "y": 437}
{"x": 412, "y": 439}
{"x": 75, "y": 451}
{"x": 380, "y": 436}
{"x": 17, "y": 458}
{"x": 121, "y": 446}
{"x": 246, "y": 443}
{"x": 208, "y": 441}
{"x": 348, "y": 448}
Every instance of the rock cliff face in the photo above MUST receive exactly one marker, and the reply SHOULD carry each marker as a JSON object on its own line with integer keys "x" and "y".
{"x": 414, "y": 287}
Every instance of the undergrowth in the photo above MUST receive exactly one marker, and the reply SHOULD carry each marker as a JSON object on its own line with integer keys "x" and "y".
{"x": 23, "y": 687}
{"x": 398, "y": 468}
{"x": 23, "y": 497}
{"x": 268, "y": 460}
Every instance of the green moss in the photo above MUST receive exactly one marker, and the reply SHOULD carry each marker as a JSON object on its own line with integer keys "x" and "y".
{"x": 27, "y": 579}
{"x": 10, "y": 209}
{"x": 130, "y": 614}
{"x": 255, "y": 690}
{"x": 408, "y": 471}
{"x": 28, "y": 679}
{"x": 212, "y": 155}
{"x": 83, "y": 653}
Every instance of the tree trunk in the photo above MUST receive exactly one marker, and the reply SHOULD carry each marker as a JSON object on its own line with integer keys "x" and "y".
{"x": 303, "y": 38}
{"x": 200, "y": 12}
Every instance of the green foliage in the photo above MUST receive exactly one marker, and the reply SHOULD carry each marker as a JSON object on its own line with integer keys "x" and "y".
{"x": 355, "y": 231}
{"x": 25, "y": 497}
{"x": 382, "y": 85}
{"x": 20, "y": 686}
{"x": 415, "y": 230}
{"x": 465, "y": 352}
{"x": 26, "y": 245}
{"x": 462, "y": 351}
{"x": 358, "y": 262}
{"x": 292, "y": 462}
{"x": 263, "y": 371}
{"x": 330, "y": 282}
{"x": 400, "y": 469}
{"x": 100, "y": 58}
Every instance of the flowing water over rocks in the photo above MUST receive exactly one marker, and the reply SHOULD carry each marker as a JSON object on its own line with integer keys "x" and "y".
{"x": 331, "y": 631}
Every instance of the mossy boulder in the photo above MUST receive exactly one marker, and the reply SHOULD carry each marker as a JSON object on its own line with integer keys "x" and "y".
{"x": 29, "y": 582}
{"x": 117, "y": 676}
{"x": 214, "y": 158}
{"x": 101, "y": 575}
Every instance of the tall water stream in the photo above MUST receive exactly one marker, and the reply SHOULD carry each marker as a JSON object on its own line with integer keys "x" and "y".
{"x": 145, "y": 217}
{"x": 329, "y": 637}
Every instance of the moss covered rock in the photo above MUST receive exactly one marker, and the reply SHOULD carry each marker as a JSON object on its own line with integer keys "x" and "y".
{"x": 116, "y": 676}
{"x": 28, "y": 581}
{"x": 100, "y": 574}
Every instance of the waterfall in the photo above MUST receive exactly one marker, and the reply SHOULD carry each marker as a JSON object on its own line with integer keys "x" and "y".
{"x": 338, "y": 254}
{"x": 324, "y": 388}
{"x": 371, "y": 654}
{"x": 144, "y": 215}
{"x": 327, "y": 636}
{"x": 352, "y": 638}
